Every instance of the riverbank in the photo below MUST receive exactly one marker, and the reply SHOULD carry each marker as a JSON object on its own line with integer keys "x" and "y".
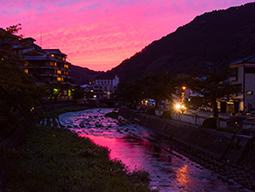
{"x": 229, "y": 155}
{"x": 56, "y": 159}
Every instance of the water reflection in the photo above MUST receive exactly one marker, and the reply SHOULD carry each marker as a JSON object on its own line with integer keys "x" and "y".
{"x": 137, "y": 147}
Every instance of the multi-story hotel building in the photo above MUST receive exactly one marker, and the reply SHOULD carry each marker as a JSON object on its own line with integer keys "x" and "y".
{"x": 45, "y": 65}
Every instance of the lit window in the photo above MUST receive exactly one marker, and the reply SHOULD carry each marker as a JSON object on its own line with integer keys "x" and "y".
{"x": 66, "y": 72}
{"x": 51, "y": 63}
{"x": 26, "y": 70}
{"x": 60, "y": 79}
{"x": 26, "y": 63}
{"x": 64, "y": 58}
{"x": 56, "y": 64}
{"x": 66, "y": 66}
{"x": 52, "y": 55}
{"x": 59, "y": 72}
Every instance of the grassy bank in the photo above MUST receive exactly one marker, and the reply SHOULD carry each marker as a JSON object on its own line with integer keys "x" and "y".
{"x": 56, "y": 112}
{"x": 54, "y": 159}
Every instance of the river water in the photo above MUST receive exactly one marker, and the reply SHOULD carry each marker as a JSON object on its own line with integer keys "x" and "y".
{"x": 139, "y": 148}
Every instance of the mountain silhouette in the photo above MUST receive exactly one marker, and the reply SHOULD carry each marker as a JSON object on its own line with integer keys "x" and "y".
{"x": 213, "y": 39}
{"x": 81, "y": 75}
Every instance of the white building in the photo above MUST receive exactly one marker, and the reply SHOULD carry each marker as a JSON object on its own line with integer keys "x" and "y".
{"x": 244, "y": 76}
{"x": 104, "y": 88}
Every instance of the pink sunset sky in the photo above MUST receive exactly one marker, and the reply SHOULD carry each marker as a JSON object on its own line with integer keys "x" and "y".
{"x": 100, "y": 34}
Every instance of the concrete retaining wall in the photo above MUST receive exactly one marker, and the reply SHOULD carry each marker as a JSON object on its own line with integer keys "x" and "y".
{"x": 233, "y": 148}
{"x": 248, "y": 125}
{"x": 195, "y": 119}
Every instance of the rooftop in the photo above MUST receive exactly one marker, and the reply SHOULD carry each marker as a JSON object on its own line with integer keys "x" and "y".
{"x": 250, "y": 59}
{"x": 55, "y": 51}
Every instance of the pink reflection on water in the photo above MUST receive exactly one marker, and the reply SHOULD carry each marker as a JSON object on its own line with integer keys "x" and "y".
{"x": 132, "y": 155}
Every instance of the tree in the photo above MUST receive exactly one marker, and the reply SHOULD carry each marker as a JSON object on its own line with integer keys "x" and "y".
{"x": 212, "y": 85}
{"x": 130, "y": 92}
{"x": 19, "y": 96}
{"x": 78, "y": 93}
{"x": 156, "y": 86}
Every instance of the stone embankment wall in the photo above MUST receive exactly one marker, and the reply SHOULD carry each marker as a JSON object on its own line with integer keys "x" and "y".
{"x": 233, "y": 148}
{"x": 192, "y": 118}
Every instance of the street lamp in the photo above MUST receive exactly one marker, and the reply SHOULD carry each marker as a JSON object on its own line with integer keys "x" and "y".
{"x": 180, "y": 107}
{"x": 183, "y": 93}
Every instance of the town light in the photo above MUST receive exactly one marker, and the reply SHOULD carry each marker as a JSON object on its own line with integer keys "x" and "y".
{"x": 180, "y": 107}
{"x": 177, "y": 106}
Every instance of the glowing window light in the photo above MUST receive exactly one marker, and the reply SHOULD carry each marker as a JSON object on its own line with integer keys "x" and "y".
{"x": 66, "y": 66}
{"x": 59, "y": 79}
{"x": 26, "y": 71}
{"x": 59, "y": 72}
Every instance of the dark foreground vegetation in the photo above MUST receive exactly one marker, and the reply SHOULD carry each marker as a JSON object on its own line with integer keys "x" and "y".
{"x": 56, "y": 159}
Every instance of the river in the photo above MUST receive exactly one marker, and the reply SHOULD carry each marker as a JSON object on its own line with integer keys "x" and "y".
{"x": 139, "y": 148}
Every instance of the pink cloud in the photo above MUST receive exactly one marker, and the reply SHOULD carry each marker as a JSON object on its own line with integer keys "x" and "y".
{"x": 99, "y": 34}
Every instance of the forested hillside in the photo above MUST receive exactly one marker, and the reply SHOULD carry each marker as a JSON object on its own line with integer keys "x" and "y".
{"x": 212, "y": 39}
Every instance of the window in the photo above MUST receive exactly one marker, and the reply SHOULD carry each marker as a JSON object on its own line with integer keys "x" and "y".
{"x": 26, "y": 71}
{"x": 66, "y": 72}
{"x": 56, "y": 64}
{"x": 64, "y": 58}
{"x": 26, "y": 63}
{"x": 60, "y": 79}
{"x": 52, "y": 55}
{"x": 249, "y": 92}
{"x": 66, "y": 66}
{"x": 59, "y": 72}
{"x": 51, "y": 63}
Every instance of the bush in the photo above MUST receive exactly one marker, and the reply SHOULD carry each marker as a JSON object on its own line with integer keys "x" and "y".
{"x": 151, "y": 111}
{"x": 209, "y": 122}
{"x": 167, "y": 114}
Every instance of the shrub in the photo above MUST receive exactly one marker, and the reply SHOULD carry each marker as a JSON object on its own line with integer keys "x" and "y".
{"x": 209, "y": 122}
{"x": 167, "y": 114}
{"x": 151, "y": 111}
